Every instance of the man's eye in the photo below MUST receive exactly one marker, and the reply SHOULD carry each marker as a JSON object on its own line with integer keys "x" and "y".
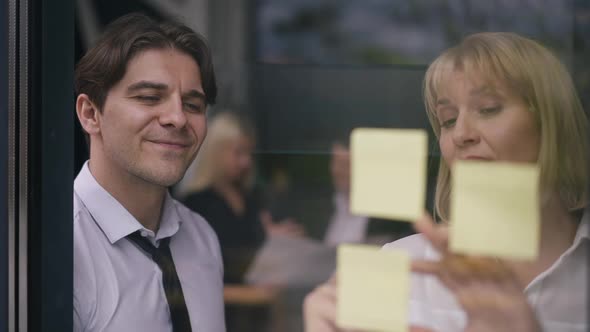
{"x": 148, "y": 98}
{"x": 195, "y": 108}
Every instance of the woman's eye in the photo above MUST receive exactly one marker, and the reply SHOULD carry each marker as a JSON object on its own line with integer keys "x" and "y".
{"x": 448, "y": 123}
{"x": 490, "y": 110}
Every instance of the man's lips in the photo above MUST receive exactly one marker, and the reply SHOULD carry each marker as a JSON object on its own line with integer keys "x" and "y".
{"x": 171, "y": 144}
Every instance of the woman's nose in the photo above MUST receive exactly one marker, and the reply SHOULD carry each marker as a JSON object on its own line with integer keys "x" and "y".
{"x": 465, "y": 131}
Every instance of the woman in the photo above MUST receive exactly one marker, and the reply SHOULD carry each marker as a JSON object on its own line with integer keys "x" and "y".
{"x": 499, "y": 96}
{"x": 220, "y": 188}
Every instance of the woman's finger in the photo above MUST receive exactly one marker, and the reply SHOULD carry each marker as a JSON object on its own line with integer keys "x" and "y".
{"x": 479, "y": 268}
{"x": 436, "y": 234}
{"x": 437, "y": 269}
{"x": 419, "y": 329}
{"x": 425, "y": 266}
{"x": 319, "y": 309}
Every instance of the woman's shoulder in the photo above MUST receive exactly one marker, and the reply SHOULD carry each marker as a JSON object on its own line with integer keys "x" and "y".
{"x": 416, "y": 245}
{"x": 199, "y": 195}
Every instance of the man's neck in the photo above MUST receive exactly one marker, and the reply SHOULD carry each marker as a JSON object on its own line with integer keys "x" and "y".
{"x": 143, "y": 200}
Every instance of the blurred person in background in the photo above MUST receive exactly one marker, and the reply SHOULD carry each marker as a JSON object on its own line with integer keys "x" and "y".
{"x": 220, "y": 187}
{"x": 343, "y": 226}
{"x": 499, "y": 97}
{"x": 324, "y": 206}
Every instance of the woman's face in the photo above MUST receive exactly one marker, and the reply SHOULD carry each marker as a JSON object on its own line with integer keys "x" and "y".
{"x": 236, "y": 159}
{"x": 483, "y": 122}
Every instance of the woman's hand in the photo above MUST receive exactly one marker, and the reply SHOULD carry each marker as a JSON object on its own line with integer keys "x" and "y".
{"x": 287, "y": 227}
{"x": 319, "y": 308}
{"x": 486, "y": 288}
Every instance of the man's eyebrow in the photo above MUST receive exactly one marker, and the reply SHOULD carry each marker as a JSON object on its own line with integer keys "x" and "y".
{"x": 161, "y": 86}
{"x": 195, "y": 94}
{"x": 146, "y": 85}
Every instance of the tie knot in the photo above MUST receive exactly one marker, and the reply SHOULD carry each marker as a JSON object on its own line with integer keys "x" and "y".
{"x": 146, "y": 245}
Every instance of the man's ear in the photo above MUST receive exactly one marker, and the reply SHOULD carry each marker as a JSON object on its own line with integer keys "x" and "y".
{"x": 88, "y": 114}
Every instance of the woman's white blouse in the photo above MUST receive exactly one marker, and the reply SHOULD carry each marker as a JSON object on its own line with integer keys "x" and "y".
{"x": 559, "y": 295}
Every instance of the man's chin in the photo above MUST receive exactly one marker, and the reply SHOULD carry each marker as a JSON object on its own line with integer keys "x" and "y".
{"x": 172, "y": 178}
{"x": 163, "y": 177}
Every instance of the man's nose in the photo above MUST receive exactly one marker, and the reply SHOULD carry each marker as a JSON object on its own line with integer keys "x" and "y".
{"x": 173, "y": 114}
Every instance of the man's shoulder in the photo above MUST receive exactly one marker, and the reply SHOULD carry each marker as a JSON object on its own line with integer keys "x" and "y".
{"x": 78, "y": 206}
{"x": 81, "y": 214}
{"x": 87, "y": 234}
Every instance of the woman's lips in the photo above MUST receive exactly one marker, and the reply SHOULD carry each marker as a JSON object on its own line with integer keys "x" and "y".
{"x": 475, "y": 158}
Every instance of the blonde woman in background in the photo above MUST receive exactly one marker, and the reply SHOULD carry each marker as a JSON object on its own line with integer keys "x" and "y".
{"x": 220, "y": 187}
{"x": 499, "y": 97}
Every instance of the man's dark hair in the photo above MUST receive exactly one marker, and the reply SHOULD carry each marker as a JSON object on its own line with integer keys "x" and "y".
{"x": 105, "y": 64}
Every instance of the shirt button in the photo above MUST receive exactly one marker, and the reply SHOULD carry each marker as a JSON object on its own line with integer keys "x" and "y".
{"x": 144, "y": 233}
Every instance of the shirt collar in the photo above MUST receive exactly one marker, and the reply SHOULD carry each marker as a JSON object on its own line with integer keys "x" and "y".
{"x": 583, "y": 232}
{"x": 341, "y": 200}
{"x": 170, "y": 220}
{"x": 112, "y": 217}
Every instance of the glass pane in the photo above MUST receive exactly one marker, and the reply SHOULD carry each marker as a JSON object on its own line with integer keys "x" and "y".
{"x": 3, "y": 169}
{"x": 300, "y": 75}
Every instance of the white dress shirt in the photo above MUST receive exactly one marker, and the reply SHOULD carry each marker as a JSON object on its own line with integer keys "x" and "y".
{"x": 117, "y": 287}
{"x": 559, "y": 295}
{"x": 345, "y": 227}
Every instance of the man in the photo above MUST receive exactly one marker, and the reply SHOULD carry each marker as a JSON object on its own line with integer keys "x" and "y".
{"x": 343, "y": 226}
{"x": 143, "y": 261}
{"x": 326, "y": 210}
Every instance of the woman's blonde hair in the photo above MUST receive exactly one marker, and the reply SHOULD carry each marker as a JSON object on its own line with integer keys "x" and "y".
{"x": 223, "y": 128}
{"x": 532, "y": 72}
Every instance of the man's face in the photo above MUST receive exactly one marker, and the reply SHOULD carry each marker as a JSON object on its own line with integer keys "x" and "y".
{"x": 340, "y": 168}
{"x": 153, "y": 120}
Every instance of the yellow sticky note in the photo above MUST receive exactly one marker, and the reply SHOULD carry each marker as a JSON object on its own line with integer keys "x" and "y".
{"x": 495, "y": 209}
{"x": 388, "y": 172}
{"x": 373, "y": 288}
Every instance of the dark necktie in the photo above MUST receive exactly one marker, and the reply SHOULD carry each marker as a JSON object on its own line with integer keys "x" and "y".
{"x": 163, "y": 257}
